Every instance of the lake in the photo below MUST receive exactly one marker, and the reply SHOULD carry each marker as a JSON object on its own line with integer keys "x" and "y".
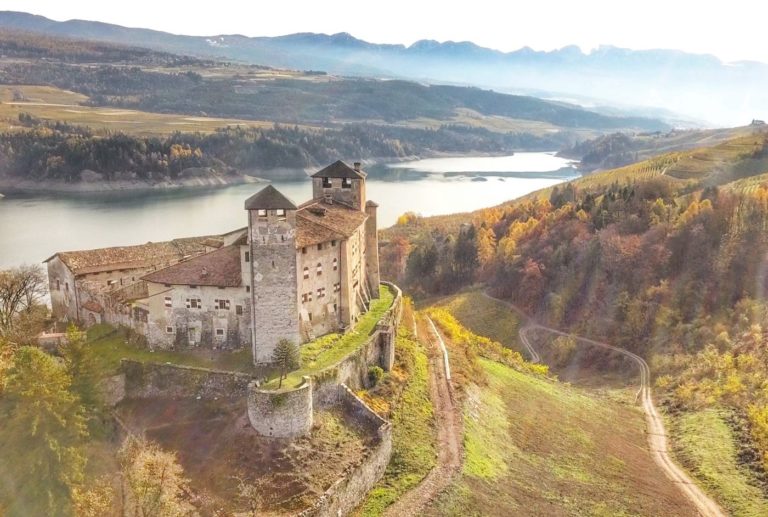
{"x": 32, "y": 228}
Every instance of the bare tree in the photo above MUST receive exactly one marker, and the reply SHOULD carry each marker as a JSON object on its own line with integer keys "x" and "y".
{"x": 21, "y": 290}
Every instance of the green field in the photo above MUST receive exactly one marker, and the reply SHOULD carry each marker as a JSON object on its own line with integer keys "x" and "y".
{"x": 705, "y": 444}
{"x": 484, "y": 316}
{"x": 537, "y": 447}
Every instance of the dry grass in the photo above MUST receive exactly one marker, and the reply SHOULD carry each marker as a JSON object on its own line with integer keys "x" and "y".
{"x": 54, "y": 104}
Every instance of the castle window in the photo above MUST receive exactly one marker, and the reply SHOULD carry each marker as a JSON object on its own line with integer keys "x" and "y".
{"x": 239, "y": 310}
{"x": 168, "y": 301}
{"x": 335, "y": 264}
{"x": 193, "y": 287}
{"x": 336, "y": 288}
{"x": 320, "y": 247}
{"x": 306, "y": 272}
{"x": 66, "y": 286}
{"x": 319, "y": 269}
{"x": 247, "y": 256}
{"x": 310, "y": 316}
{"x": 169, "y": 330}
{"x": 304, "y": 250}
{"x": 111, "y": 282}
{"x": 219, "y": 332}
{"x": 58, "y": 285}
{"x": 166, "y": 285}
{"x": 221, "y": 304}
{"x": 261, "y": 213}
{"x": 194, "y": 303}
{"x": 346, "y": 183}
{"x": 321, "y": 292}
{"x": 247, "y": 288}
{"x": 327, "y": 183}
{"x": 280, "y": 213}
{"x": 333, "y": 243}
{"x": 304, "y": 298}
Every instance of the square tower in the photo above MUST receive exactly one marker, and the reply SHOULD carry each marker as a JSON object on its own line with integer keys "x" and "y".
{"x": 272, "y": 245}
{"x": 342, "y": 183}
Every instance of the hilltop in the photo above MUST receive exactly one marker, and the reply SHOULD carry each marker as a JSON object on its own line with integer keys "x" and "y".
{"x": 700, "y": 86}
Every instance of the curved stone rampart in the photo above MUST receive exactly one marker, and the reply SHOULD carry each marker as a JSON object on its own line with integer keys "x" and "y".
{"x": 283, "y": 413}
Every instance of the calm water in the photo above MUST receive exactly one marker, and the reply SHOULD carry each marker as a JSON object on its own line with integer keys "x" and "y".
{"x": 33, "y": 228}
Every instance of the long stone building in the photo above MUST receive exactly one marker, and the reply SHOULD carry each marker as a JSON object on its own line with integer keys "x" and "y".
{"x": 295, "y": 272}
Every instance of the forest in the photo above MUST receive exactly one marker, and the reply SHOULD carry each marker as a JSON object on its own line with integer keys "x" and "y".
{"x": 671, "y": 269}
{"x": 60, "y": 151}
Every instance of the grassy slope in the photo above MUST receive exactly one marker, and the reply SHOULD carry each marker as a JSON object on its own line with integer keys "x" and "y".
{"x": 110, "y": 347}
{"x": 537, "y": 447}
{"x": 716, "y": 466}
{"x": 54, "y": 104}
{"x": 484, "y": 316}
{"x": 326, "y": 351}
{"x": 414, "y": 453}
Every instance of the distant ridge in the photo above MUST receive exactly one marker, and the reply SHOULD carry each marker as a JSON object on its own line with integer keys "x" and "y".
{"x": 699, "y": 86}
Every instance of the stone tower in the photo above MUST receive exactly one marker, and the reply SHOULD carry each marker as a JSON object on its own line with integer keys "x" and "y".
{"x": 274, "y": 298}
{"x": 342, "y": 183}
{"x": 372, "y": 248}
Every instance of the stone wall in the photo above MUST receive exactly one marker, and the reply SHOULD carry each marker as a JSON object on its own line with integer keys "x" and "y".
{"x": 281, "y": 414}
{"x": 112, "y": 389}
{"x": 349, "y": 491}
{"x": 154, "y": 380}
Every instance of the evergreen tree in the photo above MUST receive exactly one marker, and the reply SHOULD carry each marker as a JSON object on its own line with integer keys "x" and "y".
{"x": 286, "y": 357}
{"x": 41, "y": 437}
{"x": 80, "y": 362}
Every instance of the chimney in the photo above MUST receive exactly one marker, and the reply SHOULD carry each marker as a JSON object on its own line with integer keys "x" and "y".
{"x": 357, "y": 166}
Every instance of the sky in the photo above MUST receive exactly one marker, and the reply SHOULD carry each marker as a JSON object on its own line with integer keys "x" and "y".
{"x": 732, "y": 30}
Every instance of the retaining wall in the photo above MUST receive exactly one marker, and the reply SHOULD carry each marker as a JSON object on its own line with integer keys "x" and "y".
{"x": 156, "y": 380}
{"x": 281, "y": 414}
{"x": 350, "y": 489}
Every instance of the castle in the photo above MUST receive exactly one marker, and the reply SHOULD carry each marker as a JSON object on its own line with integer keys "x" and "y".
{"x": 294, "y": 272}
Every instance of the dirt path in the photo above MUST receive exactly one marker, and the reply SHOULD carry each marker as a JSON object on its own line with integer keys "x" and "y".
{"x": 657, "y": 436}
{"x": 449, "y": 434}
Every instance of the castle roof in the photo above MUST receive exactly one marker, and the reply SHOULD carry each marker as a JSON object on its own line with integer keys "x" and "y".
{"x": 269, "y": 198}
{"x": 220, "y": 268}
{"x": 337, "y": 220}
{"x": 133, "y": 257}
{"x": 339, "y": 169}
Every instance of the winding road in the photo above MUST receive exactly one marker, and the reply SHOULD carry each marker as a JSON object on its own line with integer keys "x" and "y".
{"x": 657, "y": 436}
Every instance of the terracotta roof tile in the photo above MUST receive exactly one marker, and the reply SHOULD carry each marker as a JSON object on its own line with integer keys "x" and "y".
{"x": 130, "y": 257}
{"x": 335, "y": 217}
{"x": 220, "y": 268}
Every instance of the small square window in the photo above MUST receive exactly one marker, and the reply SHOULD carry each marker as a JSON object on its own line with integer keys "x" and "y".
{"x": 327, "y": 183}
{"x": 346, "y": 183}
{"x": 306, "y": 272}
{"x": 247, "y": 256}
{"x": 333, "y": 243}
{"x": 219, "y": 332}
{"x": 168, "y": 301}
{"x": 169, "y": 330}
{"x": 247, "y": 288}
{"x": 304, "y": 250}
{"x": 335, "y": 264}
{"x": 261, "y": 213}
{"x": 280, "y": 212}
{"x": 320, "y": 247}
{"x": 239, "y": 310}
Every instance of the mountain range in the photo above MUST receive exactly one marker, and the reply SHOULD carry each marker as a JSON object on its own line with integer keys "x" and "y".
{"x": 691, "y": 85}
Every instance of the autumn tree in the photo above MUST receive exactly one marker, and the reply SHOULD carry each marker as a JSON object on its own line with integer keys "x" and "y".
{"x": 155, "y": 479}
{"x": 286, "y": 357}
{"x": 42, "y": 436}
{"x": 21, "y": 292}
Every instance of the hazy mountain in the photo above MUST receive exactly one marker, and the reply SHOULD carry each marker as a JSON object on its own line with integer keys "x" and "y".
{"x": 699, "y": 86}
